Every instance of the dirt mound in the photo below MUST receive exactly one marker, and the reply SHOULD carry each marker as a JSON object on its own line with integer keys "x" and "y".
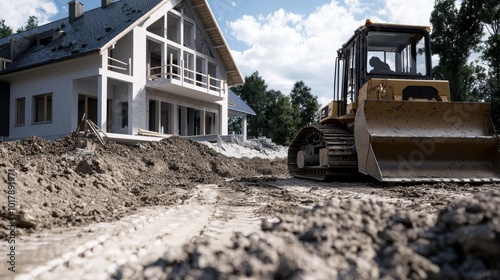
{"x": 57, "y": 187}
{"x": 353, "y": 239}
{"x": 465, "y": 242}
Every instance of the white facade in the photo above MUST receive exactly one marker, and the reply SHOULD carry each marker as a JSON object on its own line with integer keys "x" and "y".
{"x": 161, "y": 74}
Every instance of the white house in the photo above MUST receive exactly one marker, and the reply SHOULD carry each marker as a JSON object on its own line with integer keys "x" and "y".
{"x": 159, "y": 65}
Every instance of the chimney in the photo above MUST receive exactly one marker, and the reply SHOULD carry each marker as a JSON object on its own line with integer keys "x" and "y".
{"x": 75, "y": 10}
{"x": 105, "y": 3}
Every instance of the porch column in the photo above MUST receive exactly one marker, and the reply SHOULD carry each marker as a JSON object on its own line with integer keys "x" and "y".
{"x": 173, "y": 120}
{"x": 130, "y": 100}
{"x": 102, "y": 98}
{"x": 223, "y": 115}
{"x": 158, "y": 116}
{"x": 244, "y": 127}
{"x": 184, "y": 121}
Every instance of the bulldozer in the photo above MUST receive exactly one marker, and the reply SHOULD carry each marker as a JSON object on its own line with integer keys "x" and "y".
{"x": 389, "y": 119}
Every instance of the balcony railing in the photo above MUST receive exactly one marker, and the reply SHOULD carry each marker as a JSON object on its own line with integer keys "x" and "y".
{"x": 187, "y": 76}
{"x": 118, "y": 65}
{"x": 3, "y": 63}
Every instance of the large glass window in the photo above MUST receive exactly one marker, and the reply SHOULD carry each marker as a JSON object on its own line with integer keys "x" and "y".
{"x": 188, "y": 34}
{"x": 350, "y": 73}
{"x": 174, "y": 28}
{"x": 157, "y": 27}
{"x": 42, "y": 108}
{"x": 396, "y": 53}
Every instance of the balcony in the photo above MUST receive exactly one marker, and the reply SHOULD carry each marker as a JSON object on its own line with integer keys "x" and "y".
{"x": 183, "y": 81}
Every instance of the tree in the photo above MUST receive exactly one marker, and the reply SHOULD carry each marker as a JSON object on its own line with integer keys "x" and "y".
{"x": 283, "y": 118}
{"x": 490, "y": 87}
{"x": 234, "y": 125}
{"x": 253, "y": 92}
{"x": 278, "y": 116}
{"x": 30, "y": 24}
{"x": 5, "y": 31}
{"x": 306, "y": 103}
{"x": 456, "y": 34}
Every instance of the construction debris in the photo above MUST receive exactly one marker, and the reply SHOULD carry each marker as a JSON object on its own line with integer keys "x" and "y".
{"x": 86, "y": 139}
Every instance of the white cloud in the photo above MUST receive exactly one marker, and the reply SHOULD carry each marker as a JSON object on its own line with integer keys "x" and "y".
{"x": 409, "y": 12}
{"x": 286, "y": 47}
{"x": 16, "y": 13}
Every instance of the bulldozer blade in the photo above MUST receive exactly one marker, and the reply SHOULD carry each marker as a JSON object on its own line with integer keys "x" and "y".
{"x": 422, "y": 141}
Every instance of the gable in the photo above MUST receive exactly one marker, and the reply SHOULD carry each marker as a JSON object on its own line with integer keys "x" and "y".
{"x": 211, "y": 27}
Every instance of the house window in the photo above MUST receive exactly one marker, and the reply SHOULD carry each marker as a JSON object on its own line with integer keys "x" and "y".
{"x": 42, "y": 108}
{"x": 44, "y": 41}
{"x": 20, "y": 111}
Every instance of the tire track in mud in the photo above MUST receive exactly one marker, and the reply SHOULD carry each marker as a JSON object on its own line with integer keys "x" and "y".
{"x": 422, "y": 198}
{"x": 234, "y": 211}
{"x": 98, "y": 251}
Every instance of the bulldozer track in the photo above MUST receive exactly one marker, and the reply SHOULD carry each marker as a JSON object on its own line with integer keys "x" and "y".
{"x": 342, "y": 163}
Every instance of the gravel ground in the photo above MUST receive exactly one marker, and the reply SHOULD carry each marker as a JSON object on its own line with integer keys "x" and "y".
{"x": 182, "y": 210}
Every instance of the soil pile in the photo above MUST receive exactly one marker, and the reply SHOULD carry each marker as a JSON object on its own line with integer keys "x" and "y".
{"x": 55, "y": 186}
{"x": 355, "y": 235}
{"x": 353, "y": 239}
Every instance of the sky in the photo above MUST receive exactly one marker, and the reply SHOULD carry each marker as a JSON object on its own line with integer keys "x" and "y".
{"x": 284, "y": 40}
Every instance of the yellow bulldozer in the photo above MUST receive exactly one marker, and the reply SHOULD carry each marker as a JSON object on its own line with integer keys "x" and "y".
{"x": 390, "y": 120}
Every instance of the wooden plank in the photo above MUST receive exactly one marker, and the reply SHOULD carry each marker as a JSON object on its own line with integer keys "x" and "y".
{"x": 95, "y": 129}
{"x": 75, "y": 133}
{"x": 153, "y": 133}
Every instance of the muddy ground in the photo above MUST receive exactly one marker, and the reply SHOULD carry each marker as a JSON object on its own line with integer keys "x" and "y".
{"x": 177, "y": 209}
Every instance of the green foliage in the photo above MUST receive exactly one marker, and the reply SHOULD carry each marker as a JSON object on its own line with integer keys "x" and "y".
{"x": 456, "y": 34}
{"x": 30, "y": 24}
{"x": 283, "y": 122}
{"x": 306, "y": 103}
{"x": 278, "y": 116}
{"x": 5, "y": 31}
{"x": 234, "y": 125}
{"x": 253, "y": 92}
{"x": 491, "y": 55}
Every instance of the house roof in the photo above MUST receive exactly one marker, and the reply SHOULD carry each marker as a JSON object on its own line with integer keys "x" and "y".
{"x": 97, "y": 27}
{"x": 238, "y": 106}
{"x": 87, "y": 34}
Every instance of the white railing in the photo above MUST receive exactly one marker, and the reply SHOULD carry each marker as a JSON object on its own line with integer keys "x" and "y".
{"x": 122, "y": 66}
{"x": 3, "y": 63}
{"x": 186, "y": 75}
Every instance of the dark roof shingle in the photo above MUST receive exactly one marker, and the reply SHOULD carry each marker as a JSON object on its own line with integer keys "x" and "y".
{"x": 87, "y": 34}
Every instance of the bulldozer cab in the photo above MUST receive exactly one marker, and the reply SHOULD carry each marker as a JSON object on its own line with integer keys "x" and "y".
{"x": 398, "y": 54}
{"x": 383, "y": 51}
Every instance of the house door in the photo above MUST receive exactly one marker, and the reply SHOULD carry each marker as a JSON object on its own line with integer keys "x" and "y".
{"x": 88, "y": 105}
